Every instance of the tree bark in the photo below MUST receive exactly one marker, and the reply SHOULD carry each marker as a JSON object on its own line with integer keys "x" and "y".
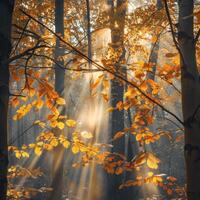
{"x": 190, "y": 97}
{"x": 6, "y": 10}
{"x": 117, "y": 23}
{"x": 58, "y": 152}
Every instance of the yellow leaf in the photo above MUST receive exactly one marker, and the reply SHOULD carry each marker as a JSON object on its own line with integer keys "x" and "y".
{"x": 86, "y": 134}
{"x": 40, "y": 143}
{"x": 75, "y": 149}
{"x": 60, "y": 125}
{"x": 15, "y": 117}
{"x": 38, "y": 150}
{"x": 25, "y": 154}
{"x": 130, "y": 93}
{"x": 150, "y": 173}
{"x": 54, "y": 142}
{"x": 60, "y": 101}
{"x": 48, "y": 147}
{"x": 39, "y": 104}
{"x": 110, "y": 109}
{"x": 53, "y": 123}
{"x": 71, "y": 123}
{"x": 18, "y": 154}
{"x": 66, "y": 144}
{"x": 31, "y": 92}
{"x": 31, "y": 146}
{"x": 139, "y": 137}
{"x": 152, "y": 161}
{"x": 39, "y": 123}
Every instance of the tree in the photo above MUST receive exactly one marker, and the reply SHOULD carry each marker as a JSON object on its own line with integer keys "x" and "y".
{"x": 58, "y": 152}
{"x": 117, "y": 14}
{"x": 6, "y": 10}
{"x": 187, "y": 47}
{"x": 190, "y": 96}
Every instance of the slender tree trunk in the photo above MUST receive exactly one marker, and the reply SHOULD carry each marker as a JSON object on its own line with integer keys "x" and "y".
{"x": 117, "y": 24}
{"x": 89, "y": 31}
{"x": 6, "y": 10}
{"x": 58, "y": 152}
{"x": 190, "y": 97}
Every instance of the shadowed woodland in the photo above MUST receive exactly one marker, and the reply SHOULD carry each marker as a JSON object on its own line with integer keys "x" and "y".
{"x": 99, "y": 100}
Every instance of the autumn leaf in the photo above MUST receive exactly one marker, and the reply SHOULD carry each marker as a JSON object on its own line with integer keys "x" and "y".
{"x": 71, "y": 123}
{"x": 171, "y": 178}
{"x": 106, "y": 84}
{"x": 39, "y": 104}
{"x": 139, "y": 137}
{"x": 38, "y": 150}
{"x": 60, "y": 125}
{"x": 18, "y": 154}
{"x": 86, "y": 134}
{"x": 118, "y": 135}
{"x": 53, "y": 123}
{"x": 75, "y": 149}
{"x": 95, "y": 83}
{"x": 152, "y": 161}
{"x": 119, "y": 105}
{"x": 110, "y": 109}
{"x": 66, "y": 144}
{"x": 119, "y": 170}
{"x": 60, "y": 101}
{"x": 139, "y": 159}
{"x": 54, "y": 142}
{"x": 150, "y": 174}
{"x": 25, "y": 154}
{"x": 105, "y": 97}
{"x": 144, "y": 86}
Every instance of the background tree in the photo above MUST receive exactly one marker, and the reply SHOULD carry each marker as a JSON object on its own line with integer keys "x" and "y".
{"x": 186, "y": 45}
{"x": 58, "y": 152}
{"x": 6, "y": 10}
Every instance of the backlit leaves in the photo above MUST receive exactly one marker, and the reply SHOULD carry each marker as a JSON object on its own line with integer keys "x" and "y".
{"x": 86, "y": 134}
{"x": 145, "y": 157}
{"x": 71, "y": 123}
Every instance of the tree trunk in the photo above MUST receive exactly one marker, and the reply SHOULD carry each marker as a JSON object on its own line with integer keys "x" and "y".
{"x": 58, "y": 152}
{"x": 190, "y": 98}
{"x": 6, "y": 9}
{"x": 117, "y": 23}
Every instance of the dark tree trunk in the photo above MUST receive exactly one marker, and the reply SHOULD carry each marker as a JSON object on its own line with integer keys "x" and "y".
{"x": 58, "y": 152}
{"x": 117, "y": 24}
{"x": 6, "y": 9}
{"x": 190, "y": 97}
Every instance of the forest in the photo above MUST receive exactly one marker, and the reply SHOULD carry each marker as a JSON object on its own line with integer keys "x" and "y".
{"x": 100, "y": 99}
